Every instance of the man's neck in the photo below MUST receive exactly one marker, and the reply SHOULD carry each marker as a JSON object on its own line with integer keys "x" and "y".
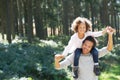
{"x": 86, "y": 54}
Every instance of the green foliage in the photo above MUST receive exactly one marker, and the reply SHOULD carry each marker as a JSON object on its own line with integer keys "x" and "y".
{"x": 102, "y": 41}
{"x": 116, "y": 50}
{"x": 110, "y": 65}
{"x": 36, "y": 61}
{"x": 28, "y": 60}
{"x": 63, "y": 39}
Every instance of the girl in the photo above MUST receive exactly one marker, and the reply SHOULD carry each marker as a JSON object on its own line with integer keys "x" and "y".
{"x": 82, "y": 28}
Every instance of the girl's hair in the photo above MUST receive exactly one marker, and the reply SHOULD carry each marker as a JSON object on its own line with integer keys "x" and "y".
{"x": 80, "y": 20}
{"x": 88, "y": 24}
{"x": 77, "y": 24}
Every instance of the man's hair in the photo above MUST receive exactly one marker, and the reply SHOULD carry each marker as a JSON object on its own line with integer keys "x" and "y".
{"x": 90, "y": 38}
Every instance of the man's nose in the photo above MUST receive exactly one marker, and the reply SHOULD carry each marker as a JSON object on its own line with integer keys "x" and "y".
{"x": 87, "y": 47}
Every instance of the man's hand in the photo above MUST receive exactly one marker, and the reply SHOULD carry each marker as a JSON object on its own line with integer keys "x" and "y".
{"x": 110, "y": 30}
{"x": 58, "y": 57}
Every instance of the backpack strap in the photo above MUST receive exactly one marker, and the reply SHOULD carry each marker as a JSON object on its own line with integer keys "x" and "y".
{"x": 76, "y": 62}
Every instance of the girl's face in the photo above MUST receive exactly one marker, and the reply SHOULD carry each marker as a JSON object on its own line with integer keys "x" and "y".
{"x": 82, "y": 28}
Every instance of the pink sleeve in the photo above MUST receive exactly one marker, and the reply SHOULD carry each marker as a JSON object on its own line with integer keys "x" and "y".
{"x": 68, "y": 47}
{"x": 95, "y": 34}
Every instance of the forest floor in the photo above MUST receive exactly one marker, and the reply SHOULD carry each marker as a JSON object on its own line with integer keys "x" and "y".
{"x": 112, "y": 74}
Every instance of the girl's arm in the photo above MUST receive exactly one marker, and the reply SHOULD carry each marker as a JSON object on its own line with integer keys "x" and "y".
{"x": 69, "y": 46}
{"x": 98, "y": 33}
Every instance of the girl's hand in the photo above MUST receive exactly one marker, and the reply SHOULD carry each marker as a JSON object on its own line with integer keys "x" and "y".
{"x": 110, "y": 30}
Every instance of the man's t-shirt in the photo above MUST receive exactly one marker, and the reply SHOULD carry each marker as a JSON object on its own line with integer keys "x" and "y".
{"x": 86, "y": 64}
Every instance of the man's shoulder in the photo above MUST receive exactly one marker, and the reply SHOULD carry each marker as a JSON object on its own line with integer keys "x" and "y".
{"x": 70, "y": 56}
{"x": 102, "y": 49}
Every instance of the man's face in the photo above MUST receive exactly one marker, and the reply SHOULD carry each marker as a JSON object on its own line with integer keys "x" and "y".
{"x": 87, "y": 46}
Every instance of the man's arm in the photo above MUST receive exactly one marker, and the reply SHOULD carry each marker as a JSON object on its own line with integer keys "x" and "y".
{"x": 108, "y": 48}
{"x": 66, "y": 62}
{"x": 110, "y": 38}
{"x": 110, "y": 42}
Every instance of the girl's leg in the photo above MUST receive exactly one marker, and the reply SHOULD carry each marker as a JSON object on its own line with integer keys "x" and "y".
{"x": 76, "y": 62}
{"x": 94, "y": 53}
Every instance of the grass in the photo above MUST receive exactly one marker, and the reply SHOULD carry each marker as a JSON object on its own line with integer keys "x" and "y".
{"x": 112, "y": 74}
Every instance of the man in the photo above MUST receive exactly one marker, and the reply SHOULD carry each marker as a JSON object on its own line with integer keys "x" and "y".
{"x": 86, "y": 64}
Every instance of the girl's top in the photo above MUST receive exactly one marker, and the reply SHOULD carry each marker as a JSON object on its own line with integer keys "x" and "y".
{"x": 76, "y": 42}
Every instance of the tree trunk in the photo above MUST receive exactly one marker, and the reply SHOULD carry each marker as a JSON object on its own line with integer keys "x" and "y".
{"x": 104, "y": 16}
{"x": 20, "y": 18}
{"x": 92, "y": 15}
{"x": 9, "y": 20}
{"x": 65, "y": 17}
{"x": 38, "y": 17}
{"x": 3, "y": 8}
{"x": 28, "y": 20}
{"x": 77, "y": 8}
